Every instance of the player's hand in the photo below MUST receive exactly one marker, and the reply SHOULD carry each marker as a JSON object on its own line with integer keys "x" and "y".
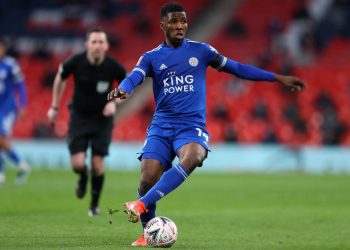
{"x": 116, "y": 93}
{"x": 291, "y": 82}
{"x": 109, "y": 109}
{"x": 52, "y": 115}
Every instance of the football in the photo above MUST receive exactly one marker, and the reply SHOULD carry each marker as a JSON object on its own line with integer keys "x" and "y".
{"x": 160, "y": 232}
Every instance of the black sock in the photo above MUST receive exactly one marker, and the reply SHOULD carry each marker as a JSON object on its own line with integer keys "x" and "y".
{"x": 96, "y": 188}
{"x": 83, "y": 179}
{"x": 81, "y": 171}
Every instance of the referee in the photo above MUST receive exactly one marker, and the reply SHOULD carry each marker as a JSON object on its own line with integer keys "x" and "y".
{"x": 91, "y": 119}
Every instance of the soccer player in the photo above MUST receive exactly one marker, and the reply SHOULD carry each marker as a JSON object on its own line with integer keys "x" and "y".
{"x": 178, "y": 68}
{"x": 91, "y": 119}
{"x": 13, "y": 102}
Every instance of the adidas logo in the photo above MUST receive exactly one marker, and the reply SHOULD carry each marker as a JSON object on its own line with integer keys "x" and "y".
{"x": 161, "y": 194}
{"x": 163, "y": 66}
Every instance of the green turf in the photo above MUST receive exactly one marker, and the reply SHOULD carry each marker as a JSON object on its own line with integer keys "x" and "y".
{"x": 212, "y": 211}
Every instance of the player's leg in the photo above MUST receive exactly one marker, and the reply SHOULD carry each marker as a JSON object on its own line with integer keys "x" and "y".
{"x": 191, "y": 145}
{"x": 6, "y": 125}
{"x": 168, "y": 182}
{"x": 151, "y": 170}
{"x": 157, "y": 155}
{"x": 191, "y": 155}
{"x": 2, "y": 133}
{"x": 191, "y": 149}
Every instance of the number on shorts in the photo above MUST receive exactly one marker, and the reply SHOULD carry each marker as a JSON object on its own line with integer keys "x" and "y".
{"x": 202, "y": 134}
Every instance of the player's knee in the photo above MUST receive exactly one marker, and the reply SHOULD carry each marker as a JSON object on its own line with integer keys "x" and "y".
{"x": 193, "y": 160}
{"x": 97, "y": 168}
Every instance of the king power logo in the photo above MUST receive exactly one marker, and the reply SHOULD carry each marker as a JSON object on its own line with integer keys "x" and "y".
{"x": 175, "y": 84}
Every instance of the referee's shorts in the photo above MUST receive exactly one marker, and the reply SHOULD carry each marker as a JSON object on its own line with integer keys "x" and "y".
{"x": 85, "y": 131}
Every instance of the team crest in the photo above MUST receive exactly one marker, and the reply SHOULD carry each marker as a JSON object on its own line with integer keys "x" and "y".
{"x": 102, "y": 86}
{"x": 193, "y": 61}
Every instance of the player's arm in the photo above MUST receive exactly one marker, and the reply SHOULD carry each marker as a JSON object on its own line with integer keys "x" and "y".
{"x": 126, "y": 86}
{"x": 249, "y": 72}
{"x": 135, "y": 78}
{"x": 22, "y": 97}
{"x": 22, "y": 94}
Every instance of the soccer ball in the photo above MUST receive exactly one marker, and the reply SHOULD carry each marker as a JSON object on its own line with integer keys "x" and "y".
{"x": 160, "y": 232}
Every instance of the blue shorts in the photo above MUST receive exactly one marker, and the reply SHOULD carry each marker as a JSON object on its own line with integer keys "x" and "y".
{"x": 163, "y": 142}
{"x": 7, "y": 121}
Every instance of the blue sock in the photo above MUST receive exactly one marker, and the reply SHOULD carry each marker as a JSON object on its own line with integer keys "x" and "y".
{"x": 169, "y": 181}
{"x": 13, "y": 156}
{"x": 146, "y": 217}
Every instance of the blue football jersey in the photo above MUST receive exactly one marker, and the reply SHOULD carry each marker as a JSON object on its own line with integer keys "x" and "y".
{"x": 179, "y": 80}
{"x": 10, "y": 75}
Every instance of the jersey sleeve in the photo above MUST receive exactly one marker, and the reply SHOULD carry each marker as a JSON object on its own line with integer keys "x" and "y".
{"x": 142, "y": 70}
{"x": 18, "y": 81}
{"x": 210, "y": 53}
{"x": 16, "y": 73}
{"x": 144, "y": 65}
{"x": 66, "y": 68}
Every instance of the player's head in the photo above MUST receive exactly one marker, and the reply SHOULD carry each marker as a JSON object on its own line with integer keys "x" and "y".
{"x": 96, "y": 44}
{"x": 173, "y": 22}
{"x": 2, "y": 47}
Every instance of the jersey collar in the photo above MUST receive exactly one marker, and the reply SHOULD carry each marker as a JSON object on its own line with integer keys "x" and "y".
{"x": 183, "y": 44}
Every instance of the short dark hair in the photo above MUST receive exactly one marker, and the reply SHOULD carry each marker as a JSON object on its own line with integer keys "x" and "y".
{"x": 171, "y": 7}
{"x": 95, "y": 29}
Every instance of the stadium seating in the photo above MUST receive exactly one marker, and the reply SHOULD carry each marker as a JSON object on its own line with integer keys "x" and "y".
{"x": 240, "y": 121}
{"x": 132, "y": 43}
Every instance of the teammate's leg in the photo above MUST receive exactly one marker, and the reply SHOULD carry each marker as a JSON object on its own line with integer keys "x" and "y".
{"x": 97, "y": 180}
{"x": 23, "y": 168}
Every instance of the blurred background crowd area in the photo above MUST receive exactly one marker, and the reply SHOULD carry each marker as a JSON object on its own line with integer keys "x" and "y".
{"x": 310, "y": 39}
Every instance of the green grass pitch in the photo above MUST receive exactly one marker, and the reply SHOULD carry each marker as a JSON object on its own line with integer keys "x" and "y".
{"x": 212, "y": 211}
